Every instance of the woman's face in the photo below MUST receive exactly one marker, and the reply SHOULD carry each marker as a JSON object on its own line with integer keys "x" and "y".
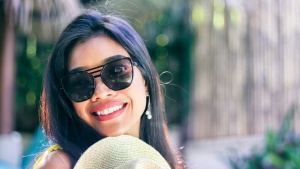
{"x": 124, "y": 108}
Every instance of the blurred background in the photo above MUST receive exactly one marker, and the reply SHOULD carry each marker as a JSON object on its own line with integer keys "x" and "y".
{"x": 229, "y": 69}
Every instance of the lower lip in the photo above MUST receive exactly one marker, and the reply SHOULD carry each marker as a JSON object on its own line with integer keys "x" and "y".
{"x": 111, "y": 115}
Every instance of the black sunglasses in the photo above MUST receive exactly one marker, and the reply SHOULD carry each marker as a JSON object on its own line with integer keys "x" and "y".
{"x": 116, "y": 75}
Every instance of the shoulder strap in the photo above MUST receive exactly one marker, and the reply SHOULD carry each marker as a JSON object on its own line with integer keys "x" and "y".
{"x": 49, "y": 150}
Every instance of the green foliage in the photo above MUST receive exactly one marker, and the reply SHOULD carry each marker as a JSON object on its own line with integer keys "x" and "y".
{"x": 169, "y": 37}
{"x": 31, "y": 61}
{"x": 281, "y": 150}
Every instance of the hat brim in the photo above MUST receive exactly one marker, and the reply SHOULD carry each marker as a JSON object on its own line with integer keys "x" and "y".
{"x": 121, "y": 152}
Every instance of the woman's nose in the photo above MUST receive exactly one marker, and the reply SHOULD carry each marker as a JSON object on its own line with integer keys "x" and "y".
{"x": 101, "y": 90}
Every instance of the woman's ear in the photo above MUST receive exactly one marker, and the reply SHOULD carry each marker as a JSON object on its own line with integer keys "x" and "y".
{"x": 146, "y": 87}
{"x": 145, "y": 82}
{"x": 144, "y": 77}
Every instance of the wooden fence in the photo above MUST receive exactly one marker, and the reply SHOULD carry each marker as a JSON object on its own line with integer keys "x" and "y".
{"x": 246, "y": 66}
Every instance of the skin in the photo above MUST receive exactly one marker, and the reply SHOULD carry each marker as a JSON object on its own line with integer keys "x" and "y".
{"x": 55, "y": 159}
{"x": 91, "y": 53}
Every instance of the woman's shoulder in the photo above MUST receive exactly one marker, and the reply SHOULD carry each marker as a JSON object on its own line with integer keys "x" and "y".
{"x": 53, "y": 157}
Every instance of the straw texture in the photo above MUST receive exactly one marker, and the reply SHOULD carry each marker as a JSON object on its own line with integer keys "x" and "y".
{"x": 124, "y": 152}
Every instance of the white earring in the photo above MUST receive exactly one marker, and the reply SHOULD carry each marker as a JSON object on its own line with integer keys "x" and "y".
{"x": 148, "y": 111}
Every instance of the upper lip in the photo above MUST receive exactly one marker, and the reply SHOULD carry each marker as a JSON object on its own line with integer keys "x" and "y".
{"x": 101, "y": 107}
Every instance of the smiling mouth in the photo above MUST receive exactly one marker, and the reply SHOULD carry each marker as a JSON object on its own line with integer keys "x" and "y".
{"x": 108, "y": 111}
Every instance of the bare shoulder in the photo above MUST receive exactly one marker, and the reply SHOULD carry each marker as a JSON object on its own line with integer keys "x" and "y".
{"x": 55, "y": 159}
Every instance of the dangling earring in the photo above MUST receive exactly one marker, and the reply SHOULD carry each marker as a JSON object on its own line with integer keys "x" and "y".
{"x": 148, "y": 111}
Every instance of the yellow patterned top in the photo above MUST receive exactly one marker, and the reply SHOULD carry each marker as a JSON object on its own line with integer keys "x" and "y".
{"x": 50, "y": 149}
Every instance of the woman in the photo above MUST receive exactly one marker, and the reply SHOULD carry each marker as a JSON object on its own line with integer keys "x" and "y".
{"x": 100, "y": 82}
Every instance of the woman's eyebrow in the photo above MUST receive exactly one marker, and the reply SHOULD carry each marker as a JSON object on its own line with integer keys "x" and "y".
{"x": 112, "y": 58}
{"x": 103, "y": 62}
{"x": 78, "y": 69}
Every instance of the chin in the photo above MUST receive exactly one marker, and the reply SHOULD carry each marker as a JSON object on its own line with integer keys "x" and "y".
{"x": 112, "y": 134}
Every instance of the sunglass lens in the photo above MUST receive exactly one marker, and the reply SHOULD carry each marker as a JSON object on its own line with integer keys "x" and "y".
{"x": 79, "y": 86}
{"x": 117, "y": 75}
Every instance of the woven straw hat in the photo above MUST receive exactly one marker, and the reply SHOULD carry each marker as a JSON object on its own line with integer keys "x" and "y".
{"x": 122, "y": 152}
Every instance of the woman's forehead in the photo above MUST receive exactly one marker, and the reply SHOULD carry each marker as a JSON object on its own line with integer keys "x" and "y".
{"x": 95, "y": 51}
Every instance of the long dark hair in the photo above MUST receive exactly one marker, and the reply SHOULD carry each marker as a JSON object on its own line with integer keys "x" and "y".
{"x": 61, "y": 123}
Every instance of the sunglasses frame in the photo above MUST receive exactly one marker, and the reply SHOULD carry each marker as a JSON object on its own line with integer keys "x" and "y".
{"x": 98, "y": 75}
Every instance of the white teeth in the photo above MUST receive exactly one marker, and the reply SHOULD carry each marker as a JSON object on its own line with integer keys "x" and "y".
{"x": 109, "y": 110}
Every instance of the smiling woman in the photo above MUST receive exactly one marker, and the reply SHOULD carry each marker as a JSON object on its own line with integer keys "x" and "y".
{"x": 98, "y": 83}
